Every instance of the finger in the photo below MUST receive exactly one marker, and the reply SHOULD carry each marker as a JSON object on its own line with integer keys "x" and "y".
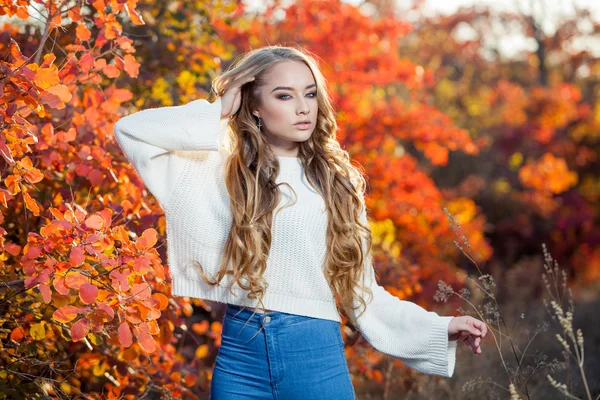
{"x": 238, "y": 83}
{"x": 472, "y": 329}
{"x": 474, "y": 345}
{"x": 481, "y": 326}
{"x": 469, "y": 344}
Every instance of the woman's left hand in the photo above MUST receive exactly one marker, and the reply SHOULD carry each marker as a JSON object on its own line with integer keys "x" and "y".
{"x": 468, "y": 330}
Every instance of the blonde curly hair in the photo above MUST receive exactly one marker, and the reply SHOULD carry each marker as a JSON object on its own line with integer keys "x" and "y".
{"x": 250, "y": 174}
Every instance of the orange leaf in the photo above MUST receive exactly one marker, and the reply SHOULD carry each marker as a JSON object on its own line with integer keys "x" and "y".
{"x": 17, "y": 334}
{"x": 153, "y": 328}
{"x": 159, "y": 271}
{"x": 46, "y": 77}
{"x": 62, "y": 91}
{"x": 190, "y": 380}
{"x": 135, "y": 17}
{"x": 31, "y": 204}
{"x": 125, "y": 337}
{"x": 65, "y": 314}
{"x": 162, "y": 300}
{"x": 75, "y": 280}
{"x": 83, "y": 33}
{"x": 132, "y": 67}
{"x": 111, "y": 71}
{"x": 23, "y": 13}
{"x": 33, "y": 175}
{"x": 141, "y": 290}
{"x": 216, "y": 327}
{"x": 95, "y": 222}
{"x": 147, "y": 240}
{"x": 200, "y": 327}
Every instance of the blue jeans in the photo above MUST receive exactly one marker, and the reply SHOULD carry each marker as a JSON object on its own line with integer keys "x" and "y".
{"x": 280, "y": 356}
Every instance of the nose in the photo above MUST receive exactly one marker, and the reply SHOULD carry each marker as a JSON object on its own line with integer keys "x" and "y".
{"x": 303, "y": 107}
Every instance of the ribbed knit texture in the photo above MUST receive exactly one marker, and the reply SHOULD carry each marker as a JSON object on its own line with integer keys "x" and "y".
{"x": 178, "y": 153}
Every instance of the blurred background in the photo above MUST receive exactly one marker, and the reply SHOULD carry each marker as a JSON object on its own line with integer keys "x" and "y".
{"x": 477, "y": 124}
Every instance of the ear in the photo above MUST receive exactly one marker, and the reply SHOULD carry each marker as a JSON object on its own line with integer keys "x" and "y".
{"x": 256, "y": 113}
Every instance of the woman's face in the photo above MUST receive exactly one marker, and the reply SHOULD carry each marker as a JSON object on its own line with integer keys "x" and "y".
{"x": 289, "y": 96}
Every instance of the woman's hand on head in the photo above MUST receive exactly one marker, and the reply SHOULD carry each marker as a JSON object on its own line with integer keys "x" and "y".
{"x": 231, "y": 99}
{"x": 468, "y": 330}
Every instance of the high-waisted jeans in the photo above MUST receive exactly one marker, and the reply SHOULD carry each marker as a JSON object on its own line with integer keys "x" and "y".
{"x": 280, "y": 356}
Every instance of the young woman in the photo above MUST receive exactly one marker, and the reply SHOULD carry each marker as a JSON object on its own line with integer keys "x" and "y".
{"x": 266, "y": 214}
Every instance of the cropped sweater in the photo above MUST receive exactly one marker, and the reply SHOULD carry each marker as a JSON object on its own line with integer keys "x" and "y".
{"x": 179, "y": 153}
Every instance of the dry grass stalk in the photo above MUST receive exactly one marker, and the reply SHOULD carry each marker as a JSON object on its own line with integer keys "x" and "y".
{"x": 490, "y": 313}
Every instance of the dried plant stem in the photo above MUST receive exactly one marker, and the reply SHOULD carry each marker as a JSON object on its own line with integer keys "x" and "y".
{"x": 456, "y": 228}
{"x": 497, "y": 341}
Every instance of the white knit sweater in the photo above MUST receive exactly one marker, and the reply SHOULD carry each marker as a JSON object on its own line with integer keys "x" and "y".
{"x": 178, "y": 153}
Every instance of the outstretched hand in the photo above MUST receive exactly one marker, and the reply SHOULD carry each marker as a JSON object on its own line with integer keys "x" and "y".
{"x": 468, "y": 330}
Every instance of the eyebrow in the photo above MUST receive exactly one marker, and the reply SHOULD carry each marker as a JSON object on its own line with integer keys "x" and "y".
{"x": 289, "y": 88}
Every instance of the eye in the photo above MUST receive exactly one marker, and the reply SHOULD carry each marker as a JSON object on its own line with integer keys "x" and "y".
{"x": 314, "y": 94}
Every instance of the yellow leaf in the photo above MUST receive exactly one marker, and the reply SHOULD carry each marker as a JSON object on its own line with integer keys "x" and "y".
{"x": 202, "y": 351}
{"x": 38, "y": 332}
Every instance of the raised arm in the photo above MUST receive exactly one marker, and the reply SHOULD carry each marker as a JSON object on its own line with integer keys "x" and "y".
{"x": 149, "y": 138}
{"x": 404, "y": 330}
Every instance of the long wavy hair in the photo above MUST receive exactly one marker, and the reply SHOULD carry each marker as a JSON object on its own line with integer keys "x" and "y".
{"x": 250, "y": 173}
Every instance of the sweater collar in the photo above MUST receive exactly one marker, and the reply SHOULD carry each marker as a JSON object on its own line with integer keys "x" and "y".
{"x": 290, "y": 164}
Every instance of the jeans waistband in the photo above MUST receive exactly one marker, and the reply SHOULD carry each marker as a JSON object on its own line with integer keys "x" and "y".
{"x": 258, "y": 319}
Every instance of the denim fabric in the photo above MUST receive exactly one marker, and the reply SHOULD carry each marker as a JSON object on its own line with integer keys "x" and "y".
{"x": 280, "y": 356}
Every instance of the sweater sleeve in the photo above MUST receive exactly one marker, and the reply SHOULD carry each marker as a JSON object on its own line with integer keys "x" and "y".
{"x": 403, "y": 329}
{"x": 150, "y": 137}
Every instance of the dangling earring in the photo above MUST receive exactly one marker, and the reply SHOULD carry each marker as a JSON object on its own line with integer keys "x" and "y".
{"x": 259, "y": 124}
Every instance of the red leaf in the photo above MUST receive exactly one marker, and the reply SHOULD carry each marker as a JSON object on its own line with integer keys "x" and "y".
{"x": 59, "y": 285}
{"x": 107, "y": 309}
{"x": 141, "y": 265}
{"x": 125, "y": 337}
{"x": 77, "y": 256}
{"x": 46, "y": 292}
{"x": 119, "y": 280}
{"x": 88, "y": 293}
{"x": 141, "y": 290}
{"x": 44, "y": 277}
{"x": 80, "y": 329}
{"x": 146, "y": 341}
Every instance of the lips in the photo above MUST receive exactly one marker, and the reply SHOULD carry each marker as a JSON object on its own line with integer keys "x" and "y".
{"x": 303, "y": 125}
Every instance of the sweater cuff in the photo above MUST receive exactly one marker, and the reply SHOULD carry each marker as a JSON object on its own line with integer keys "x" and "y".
{"x": 442, "y": 352}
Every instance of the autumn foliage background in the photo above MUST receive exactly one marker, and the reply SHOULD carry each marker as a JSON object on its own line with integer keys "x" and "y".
{"x": 509, "y": 146}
